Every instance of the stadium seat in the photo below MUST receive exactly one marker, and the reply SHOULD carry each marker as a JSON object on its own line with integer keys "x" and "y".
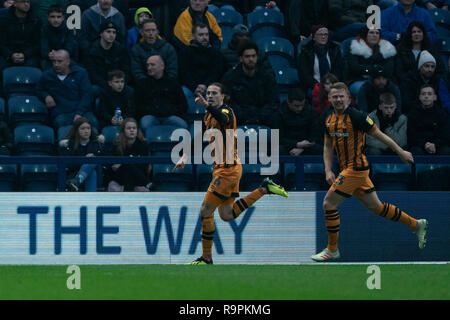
{"x": 194, "y": 112}
{"x": 63, "y": 132}
{"x": 20, "y": 80}
{"x": 252, "y": 178}
{"x": 203, "y": 175}
{"x": 26, "y": 110}
{"x": 166, "y": 180}
{"x": 432, "y": 177}
{"x": 227, "y": 19}
{"x": 279, "y": 51}
{"x": 228, "y": 7}
{"x": 34, "y": 139}
{"x": 110, "y": 133}
{"x": 266, "y": 23}
{"x": 2, "y": 107}
{"x": 8, "y": 177}
{"x": 39, "y": 177}
{"x": 285, "y": 78}
{"x": 314, "y": 177}
{"x": 253, "y": 133}
{"x": 392, "y": 176}
{"x": 158, "y": 138}
{"x": 213, "y": 9}
{"x": 345, "y": 47}
{"x": 440, "y": 17}
{"x": 300, "y": 44}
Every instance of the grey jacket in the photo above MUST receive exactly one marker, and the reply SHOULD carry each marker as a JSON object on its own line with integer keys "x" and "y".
{"x": 397, "y": 132}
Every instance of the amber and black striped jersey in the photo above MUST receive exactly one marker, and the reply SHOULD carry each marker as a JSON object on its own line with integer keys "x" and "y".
{"x": 347, "y": 132}
{"x": 223, "y": 118}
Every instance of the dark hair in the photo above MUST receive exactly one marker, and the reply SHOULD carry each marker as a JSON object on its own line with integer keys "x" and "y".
{"x": 406, "y": 41}
{"x": 122, "y": 140}
{"x": 73, "y": 133}
{"x": 387, "y": 98}
{"x": 247, "y": 44}
{"x": 323, "y": 95}
{"x": 364, "y": 32}
{"x": 199, "y": 25}
{"x": 236, "y": 39}
{"x": 151, "y": 20}
{"x": 427, "y": 85}
{"x": 55, "y": 8}
{"x": 116, "y": 74}
{"x": 295, "y": 94}
{"x": 223, "y": 90}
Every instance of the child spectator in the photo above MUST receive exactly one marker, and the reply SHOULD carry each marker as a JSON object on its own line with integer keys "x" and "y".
{"x": 56, "y": 36}
{"x": 134, "y": 34}
{"x": 117, "y": 95}
{"x": 82, "y": 140}
{"x": 320, "y": 93}
{"x": 134, "y": 176}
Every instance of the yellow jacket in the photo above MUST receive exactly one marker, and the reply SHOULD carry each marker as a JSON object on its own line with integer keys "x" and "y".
{"x": 183, "y": 27}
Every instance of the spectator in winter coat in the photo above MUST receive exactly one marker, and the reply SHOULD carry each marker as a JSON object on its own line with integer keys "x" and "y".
{"x": 391, "y": 122}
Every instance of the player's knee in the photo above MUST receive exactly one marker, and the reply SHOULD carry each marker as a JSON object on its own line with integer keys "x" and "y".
{"x": 205, "y": 211}
{"x": 327, "y": 205}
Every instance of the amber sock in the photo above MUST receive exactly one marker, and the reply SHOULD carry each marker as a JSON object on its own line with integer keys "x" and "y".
{"x": 332, "y": 222}
{"x": 389, "y": 211}
{"x": 242, "y": 204}
{"x": 208, "y": 229}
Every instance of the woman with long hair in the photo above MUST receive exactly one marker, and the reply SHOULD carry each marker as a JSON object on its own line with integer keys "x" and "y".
{"x": 367, "y": 53}
{"x": 413, "y": 42}
{"x": 81, "y": 140}
{"x": 130, "y": 143}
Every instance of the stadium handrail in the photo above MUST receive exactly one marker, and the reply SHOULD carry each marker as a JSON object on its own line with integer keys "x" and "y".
{"x": 62, "y": 161}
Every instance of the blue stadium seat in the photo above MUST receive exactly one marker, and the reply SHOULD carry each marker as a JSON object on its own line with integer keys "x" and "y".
{"x": 314, "y": 177}
{"x": 279, "y": 51}
{"x": 286, "y": 78}
{"x": 443, "y": 45}
{"x": 227, "y": 19}
{"x": 252, "y": 178}
{"x": 158, "y": 138}
{"x": 63, "y": 132}
{"x": 39, "y": 177}
{"x": 440, "y": 17}
{"x": 110, "y": 133}
{"x": 213, "y": 9}
{"x": 35, "y": 139}
{"x": 432, "y": 177}
{"x": 2, "y": 107}
{"x": 392, "y": 176}
{"x": 166, "y": 180}
{"x": 20, "y": 80}
{"x": 195, "y": 112}
{"x": 266, "y": 23}
{"x": 26, "y": 109}
{"x": 302, "y": 43}
{"x": 8, "y": 177}
{"x": 203, "y": 175}
{"x": 228, "y": 7}
{"x": 345, "y": 47}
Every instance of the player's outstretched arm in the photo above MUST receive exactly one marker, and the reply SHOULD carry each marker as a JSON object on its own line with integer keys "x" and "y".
{"x": 406, "y": 156}
{"x": 328, "y": 159}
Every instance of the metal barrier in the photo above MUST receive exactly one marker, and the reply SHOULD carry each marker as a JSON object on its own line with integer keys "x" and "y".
{"x": 62, "y": 161}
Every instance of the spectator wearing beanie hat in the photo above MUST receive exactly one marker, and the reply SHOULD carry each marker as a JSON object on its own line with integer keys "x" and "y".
{"x": 318, "y": 58}
{"x": 106, "y": 54}
{"x": 414, "y": 79}
{"x": 134, "y": 34}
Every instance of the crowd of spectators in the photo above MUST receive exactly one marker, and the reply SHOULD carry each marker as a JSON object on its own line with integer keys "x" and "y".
{"x": 151, "y": 63}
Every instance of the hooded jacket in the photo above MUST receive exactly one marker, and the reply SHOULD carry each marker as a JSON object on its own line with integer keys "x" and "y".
{"x": 143, "y": 50}
{"x": 91, "y": 20}
{"x": 397, "y": 131}
{"x": 133, "y": 34}
{"x": 363, "y": 60}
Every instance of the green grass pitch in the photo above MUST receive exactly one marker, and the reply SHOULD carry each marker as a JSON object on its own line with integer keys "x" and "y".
{"x": 227, "y": 282}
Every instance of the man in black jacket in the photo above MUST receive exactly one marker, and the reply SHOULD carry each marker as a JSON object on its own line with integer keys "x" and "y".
{"x": 254, "y": 92}
{"x": 298, "y": 126}
{"x": 152, "y": 44}
{"x": 428, "y": 125}
{"x": 199, "y": 63}
{"x": 19, "y": 36}
{"x": 106, "y": 55}
{"x": 159, "y": 99}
